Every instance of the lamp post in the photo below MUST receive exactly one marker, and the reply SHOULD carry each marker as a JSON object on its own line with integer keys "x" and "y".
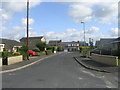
{"x": 27, "y": 39}
{"x": 84, "y": 31}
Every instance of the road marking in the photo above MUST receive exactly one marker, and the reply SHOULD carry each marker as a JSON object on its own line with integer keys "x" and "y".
{"x": 19, "y": 68}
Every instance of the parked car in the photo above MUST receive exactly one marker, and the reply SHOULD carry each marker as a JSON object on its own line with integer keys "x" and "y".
{"x": 31, "y": 53}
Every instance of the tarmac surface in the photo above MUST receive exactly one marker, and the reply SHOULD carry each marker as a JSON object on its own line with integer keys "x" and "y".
{"x": 58, "y": 71}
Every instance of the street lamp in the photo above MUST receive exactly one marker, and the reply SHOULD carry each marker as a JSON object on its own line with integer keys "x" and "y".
{"x": 84, "y": 31}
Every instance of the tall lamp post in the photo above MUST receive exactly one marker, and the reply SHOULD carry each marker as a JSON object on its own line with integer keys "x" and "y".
{"x": 27, "y": 39}
{"x": 84, "y": 31}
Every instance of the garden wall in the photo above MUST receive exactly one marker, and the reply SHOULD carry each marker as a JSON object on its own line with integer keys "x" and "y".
{"x": 105, "y": 59}
{"x": 14, "y": 59}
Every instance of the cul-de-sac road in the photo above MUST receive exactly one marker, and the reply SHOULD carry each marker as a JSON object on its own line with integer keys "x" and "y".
{"x": 58, "y": 71}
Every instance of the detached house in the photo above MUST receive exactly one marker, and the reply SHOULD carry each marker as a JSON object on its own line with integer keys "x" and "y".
{"x": 55, "y": 43}
{"x": 33, "y": 41}
{"x": 108, "y": 43}
{"x": 71, "y": 46}
{"x": 9, "y": 45}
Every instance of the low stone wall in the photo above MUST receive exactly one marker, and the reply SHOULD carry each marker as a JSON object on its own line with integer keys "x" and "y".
{"x": 14, "y": 59}
{"x": 0, "y": 62}
{"x": 105, "y": 59}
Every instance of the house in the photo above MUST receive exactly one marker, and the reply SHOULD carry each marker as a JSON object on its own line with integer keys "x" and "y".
{"x": 2, "y": 46}
{"x": 33, "y": 41}
{"x": 55, "y": 43}
{"x": 9, "y": 45}
{"x": 107, "y": 43}
{"x": 71, "y": 46}
{"x": 97, "y": 43}
{"x": 82, "y": 43}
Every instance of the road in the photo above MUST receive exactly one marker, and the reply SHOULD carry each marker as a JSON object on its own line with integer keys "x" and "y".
{"x": 59, "y": 71}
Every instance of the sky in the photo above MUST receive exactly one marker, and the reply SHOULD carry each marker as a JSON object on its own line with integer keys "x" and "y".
{"x": 60, "y": 19}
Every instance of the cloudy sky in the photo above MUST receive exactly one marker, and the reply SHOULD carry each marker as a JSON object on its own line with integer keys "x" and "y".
{"x": 60, "y": 19}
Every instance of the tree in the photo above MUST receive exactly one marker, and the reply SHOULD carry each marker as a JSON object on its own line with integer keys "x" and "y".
{"x": 48, "y": 47}
{"x": 91, "y": 42}
{"x": 41, "y": 46}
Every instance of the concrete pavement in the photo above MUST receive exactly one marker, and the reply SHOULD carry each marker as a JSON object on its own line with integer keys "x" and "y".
{"x": 93, "y": 65}
{"x": 59, "y": 71}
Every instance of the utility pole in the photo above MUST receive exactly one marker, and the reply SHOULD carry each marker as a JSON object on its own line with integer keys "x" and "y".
{"x": 27, "y": 39}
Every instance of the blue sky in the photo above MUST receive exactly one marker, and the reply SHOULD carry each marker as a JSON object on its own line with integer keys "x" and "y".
{"x": 60, "y": 20}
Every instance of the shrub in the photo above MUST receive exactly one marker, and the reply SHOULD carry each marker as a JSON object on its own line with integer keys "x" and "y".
{"x": 16, "y": 53}
{"x": 36, "y": 50}
{"x": 60, "y": 48}
{"x": 24, "y": 52}
{"x": 48, "y": 47}
{"x": 48, "y": 52}
{"x": 54, "y": 48}
{"x": 41, "y": 46}
{"x": 5, "y": 54}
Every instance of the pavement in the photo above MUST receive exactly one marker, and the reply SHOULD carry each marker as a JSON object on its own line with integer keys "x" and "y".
{"x": 93, "y": 65}
{"x": 58, "y": 71}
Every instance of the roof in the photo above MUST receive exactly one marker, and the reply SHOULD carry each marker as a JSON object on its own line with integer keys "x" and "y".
{"x": 40, "y": 37}
{"x": 54, "y": 41}
{"x": 9, "y": 42}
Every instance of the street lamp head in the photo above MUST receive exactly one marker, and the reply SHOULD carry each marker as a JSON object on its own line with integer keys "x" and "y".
{"x": 82, "y": 22}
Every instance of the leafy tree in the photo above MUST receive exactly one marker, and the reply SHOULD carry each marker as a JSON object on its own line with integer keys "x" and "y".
{"x": 41, "y": 46}
{"x": 48, "y": 47}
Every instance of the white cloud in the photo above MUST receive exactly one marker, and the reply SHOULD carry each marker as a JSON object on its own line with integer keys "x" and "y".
{"x": 72, "y": 34}
{"x": 104, "y": 12}
{"x": 24, "y": 21}
{"x": 13, "y": 34}
{"x": 114, "y": 32}
{"x": 80, "y": 12}
{"x": 92, "y": 30}
{"x": 18, "y": 6}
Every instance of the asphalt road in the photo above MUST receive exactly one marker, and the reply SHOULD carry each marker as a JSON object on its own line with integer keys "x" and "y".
{"x": 59, "y": 71}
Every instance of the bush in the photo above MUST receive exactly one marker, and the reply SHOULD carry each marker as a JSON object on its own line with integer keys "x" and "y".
{"x": 5, "y": 54}
{"x": 54, "y": 48}
{"x": 16, "y": 53}
{"x": 24, "y": 52}
{"x": 36, "y": 50}
{"x": 48, "y": 52}
{"x": 48, "y": 47}
{"x": 60, "y": 48}
{"x": 41, "y": 46}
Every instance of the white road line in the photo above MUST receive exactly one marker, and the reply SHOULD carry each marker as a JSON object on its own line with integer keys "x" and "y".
{"x": 19, "y": 68}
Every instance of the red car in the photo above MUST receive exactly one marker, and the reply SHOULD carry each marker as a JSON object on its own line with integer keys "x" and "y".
{"x": 31, "y": 53}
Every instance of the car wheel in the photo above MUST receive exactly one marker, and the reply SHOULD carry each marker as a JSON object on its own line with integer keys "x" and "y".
{"x": 30, "y": 55}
